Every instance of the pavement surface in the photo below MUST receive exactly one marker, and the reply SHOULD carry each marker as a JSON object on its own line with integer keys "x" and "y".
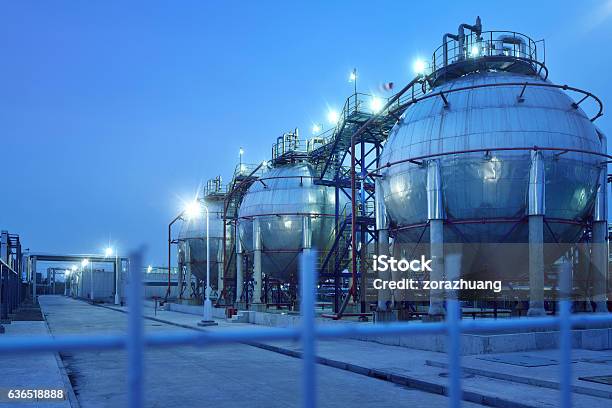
{"x": 233, "y": 375}
{"x": 30, "y": 372}
{"x": 493, "y": 379}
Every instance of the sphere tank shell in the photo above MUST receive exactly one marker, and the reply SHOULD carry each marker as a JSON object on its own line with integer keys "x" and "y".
{"x": 192, "y": 241}
{"x": 280, "y": 201}
{"x": 477, "y": 185}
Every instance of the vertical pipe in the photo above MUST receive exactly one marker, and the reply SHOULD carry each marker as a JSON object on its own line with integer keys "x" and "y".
{"x": 337, "y": 281}
{"x": 353, "y": 288}
{"x": 308, "y": 279}
{"x": 382, "y": 226}
{"x": 363, "y": 282}
{"x": 256, "y": 262}
{"x": 565, "y": 333}
{"x": 600, "y": 245}
{"x": 536, "y": 210}
{"x": 135, "y": 338}
{"x": 220, "y": 278}
{"x": 239, "y": 272}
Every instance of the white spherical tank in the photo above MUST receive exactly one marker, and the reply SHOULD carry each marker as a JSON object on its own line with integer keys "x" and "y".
{"x": 192, "y": 240}
{"x": 280, "y": 200}
{"x": 479, "y": 127}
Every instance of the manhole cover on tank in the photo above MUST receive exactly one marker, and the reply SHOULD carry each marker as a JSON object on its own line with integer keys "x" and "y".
{"x": 600, "y": 379}
{"x": 522, "y": 360}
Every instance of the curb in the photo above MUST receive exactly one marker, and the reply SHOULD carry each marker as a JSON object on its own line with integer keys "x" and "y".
{"x": 72, "y": 398}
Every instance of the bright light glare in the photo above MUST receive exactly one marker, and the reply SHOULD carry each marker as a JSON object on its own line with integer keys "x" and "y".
{"x": 475, "y": 51}
{"x": 316, "y": 128}
{"x": 74, "y": 268}
{"x": 192, "y": 210}
{"x": 241, "y": 151}
{"x": 108, "y": 251}
{"x": 264, "y": 163}
{"x": 84, "y": 262}
{"x": 352, "y": 76}
{"x": 333, "y": 116}
{"x": 67, "y": 272}
{"x": 419, "y": 67}
{"x": 149, "y": 269}
{"x": 376, "y": 104}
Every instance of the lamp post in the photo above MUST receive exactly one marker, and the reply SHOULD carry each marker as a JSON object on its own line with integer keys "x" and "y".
{"x": 109, "y": 252}
{"x": 84, "y": 264}
{"x": 207, "y": 319}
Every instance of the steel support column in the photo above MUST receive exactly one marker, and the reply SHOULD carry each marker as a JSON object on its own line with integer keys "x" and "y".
{"x": 536, "y": 211}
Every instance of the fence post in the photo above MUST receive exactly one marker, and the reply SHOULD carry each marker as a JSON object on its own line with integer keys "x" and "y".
{"x": 3, "y": 292}
{"x": 308, "y": 279}
{"x": 565, "y": 333}
{"x": 135, "y": 342}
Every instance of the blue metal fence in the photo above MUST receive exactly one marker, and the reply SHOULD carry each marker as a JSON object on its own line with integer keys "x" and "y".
{"x": 135, "y": 340}
{"x": 10, "y": 294}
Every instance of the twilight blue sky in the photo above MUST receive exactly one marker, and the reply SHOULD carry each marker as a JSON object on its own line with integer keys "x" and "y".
{"x": 112, "y": 112}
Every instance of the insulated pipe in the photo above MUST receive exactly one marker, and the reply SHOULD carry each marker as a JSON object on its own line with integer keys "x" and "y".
{"x": 599, "y": 256}
{"x": 460, "y": 37}
{"x": 220, "y": 281}
{"x": 257, "y": 276}
{"x": 239, "y": 273}
{"x": 382, "y": 226}
{"x": 445, "y": 38}
{"x": 188, "y": 268}
{"x": 435, "y": 214}
{"x": 536, "y": 210}
{"x": 509, "y": 39}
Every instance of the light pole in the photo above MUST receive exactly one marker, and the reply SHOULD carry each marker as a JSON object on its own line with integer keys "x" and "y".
{"x": 66, "y": 277}
{"x": 109, "y": 252}
{"x": 207, "y": 319}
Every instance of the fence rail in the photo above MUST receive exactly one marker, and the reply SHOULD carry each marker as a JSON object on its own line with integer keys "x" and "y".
{"x": 308, "y": 333}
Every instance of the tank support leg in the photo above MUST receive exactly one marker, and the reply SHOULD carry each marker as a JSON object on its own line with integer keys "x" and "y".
{"x": 536, "y": 266}
{"x": 536, "y": 211}
{"x": 384, "y": 295}
{"x": 220, "y": 281}
{"x": 257, "y": 275}
{"x": 435, "y": 214}
{"x": 436, "y": 296}
{"x": 599, "y": 259}
{"x": 239, "y": 272}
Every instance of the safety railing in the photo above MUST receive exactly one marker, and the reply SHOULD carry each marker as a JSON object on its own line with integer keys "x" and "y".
{"x": 487, "y": 44}
{"x": 10, "y": 291}
{"x": 135, "y": 340}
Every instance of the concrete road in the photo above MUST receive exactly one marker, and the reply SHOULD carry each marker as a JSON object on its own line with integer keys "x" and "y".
{"x": 221, "y": 376}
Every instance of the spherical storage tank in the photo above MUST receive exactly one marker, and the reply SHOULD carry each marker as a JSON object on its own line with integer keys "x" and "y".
{"x": 485, "y": 105}
{"x": 280, "y": 200}
{"x": 192, "y": 239}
